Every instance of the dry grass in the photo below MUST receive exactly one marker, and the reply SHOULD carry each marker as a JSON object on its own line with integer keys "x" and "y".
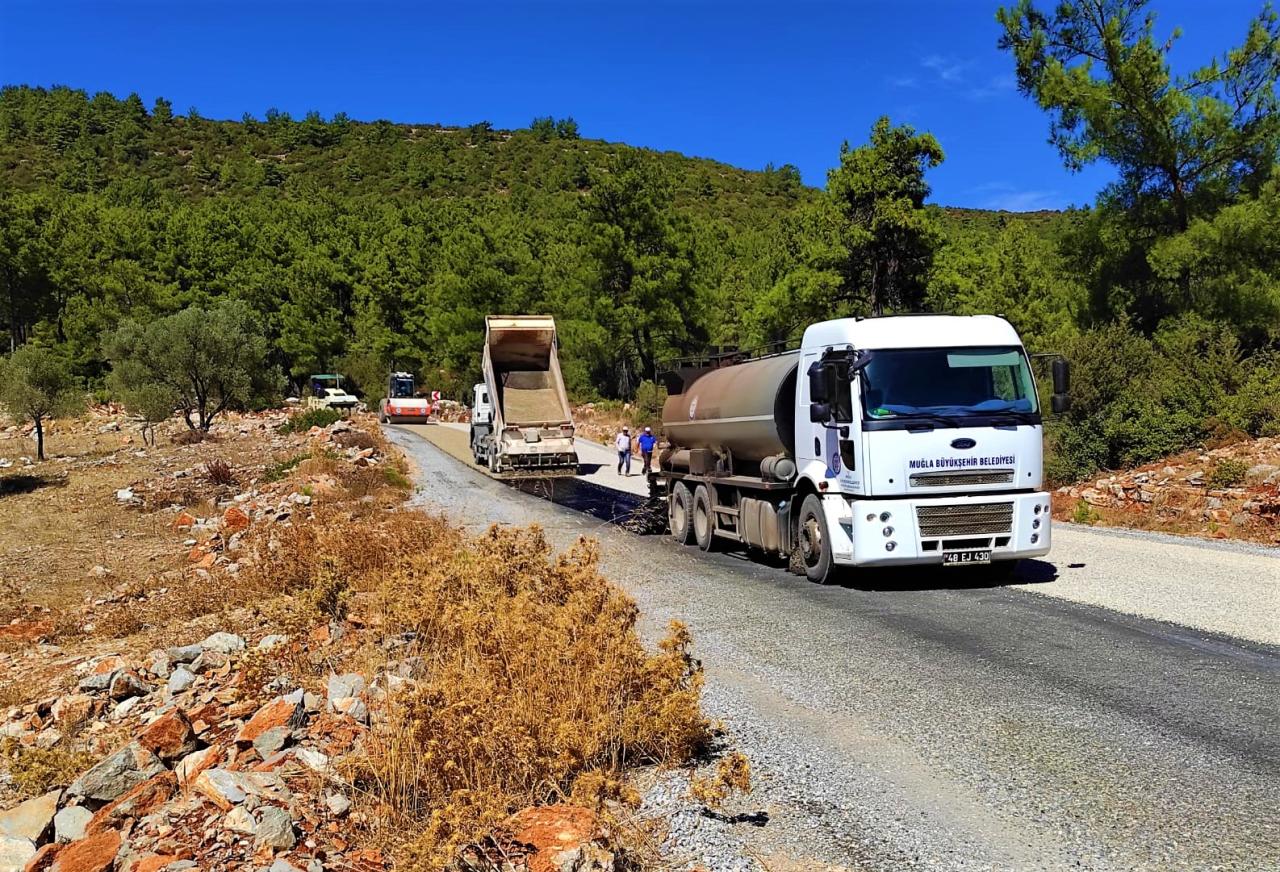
{"x": 531, "y": 683}
{"x": 35, "y": 771}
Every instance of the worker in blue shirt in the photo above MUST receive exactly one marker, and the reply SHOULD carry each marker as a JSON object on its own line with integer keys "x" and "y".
{"x": 647, "y": 440}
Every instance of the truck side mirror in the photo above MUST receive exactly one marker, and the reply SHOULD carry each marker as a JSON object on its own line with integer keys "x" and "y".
{"x": 1061, "y": 376}
{"x": 1060, "y": 402}
{"x": 819, "y": 413}
{"x": 819, "y": 383}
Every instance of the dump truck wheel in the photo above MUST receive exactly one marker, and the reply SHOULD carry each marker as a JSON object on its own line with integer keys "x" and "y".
{"x": 680, "y": 514}
{"x": 703, "y": 520}
{"x": 815, "y": 544}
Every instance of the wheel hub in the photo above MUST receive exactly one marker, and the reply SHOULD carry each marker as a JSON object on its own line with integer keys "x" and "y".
{"x": 811, "y": 540}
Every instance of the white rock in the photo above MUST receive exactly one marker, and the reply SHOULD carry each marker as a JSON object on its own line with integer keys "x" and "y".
{"x": 312, "y": 759}
{"x": 223, "y": 643}
{"x": 240, "y": 820}
{"x": 69, "y": 824}
{"x": 181, "y": 679}
{"x": 15, "y": 852}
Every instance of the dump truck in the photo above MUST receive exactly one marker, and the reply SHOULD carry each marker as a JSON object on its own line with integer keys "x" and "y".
{"x": 529, "y": 428}
{"x": 327, "y": 392}
{"x": 401, "y": 406}
{"x": 879, "y": 442}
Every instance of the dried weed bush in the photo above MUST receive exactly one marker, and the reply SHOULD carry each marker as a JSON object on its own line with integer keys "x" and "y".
{"x": 733, "y": 773}
{"x": 355, "y": 439}
{"x": 219, "y": 472}
{"x": 35, "y": 771}
{"x": 533, "y": 685}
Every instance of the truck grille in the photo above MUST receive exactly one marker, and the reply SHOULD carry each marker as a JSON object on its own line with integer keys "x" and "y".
{"x": 955, "y": 479}
{"x": 966, "y": 519}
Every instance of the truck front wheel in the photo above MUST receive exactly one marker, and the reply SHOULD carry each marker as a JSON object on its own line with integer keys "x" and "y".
{"x": 680, "y": 514}
{"x": 814, "y": 543}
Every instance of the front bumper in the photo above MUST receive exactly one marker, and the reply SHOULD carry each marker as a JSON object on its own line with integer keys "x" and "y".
{"x": 1007, "y": 525}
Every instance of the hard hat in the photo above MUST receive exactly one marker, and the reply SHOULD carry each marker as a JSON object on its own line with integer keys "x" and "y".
{"x": 647, "y": 430}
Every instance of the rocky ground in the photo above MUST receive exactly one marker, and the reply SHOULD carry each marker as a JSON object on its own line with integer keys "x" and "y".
{"x": 1231, "y": 492}
{"x": 163, "y": 707}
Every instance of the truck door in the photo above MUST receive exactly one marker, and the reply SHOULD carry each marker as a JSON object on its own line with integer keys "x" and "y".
{"x": 810, "y": 437}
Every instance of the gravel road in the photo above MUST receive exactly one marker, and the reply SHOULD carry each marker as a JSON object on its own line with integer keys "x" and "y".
{"x": 907, "y": 721}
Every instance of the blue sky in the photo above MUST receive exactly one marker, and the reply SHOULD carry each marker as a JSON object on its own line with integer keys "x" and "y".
{"x": 748, "y": 83}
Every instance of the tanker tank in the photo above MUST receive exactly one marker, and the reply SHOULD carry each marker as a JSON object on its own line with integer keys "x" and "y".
{"x": 747, "y": 409}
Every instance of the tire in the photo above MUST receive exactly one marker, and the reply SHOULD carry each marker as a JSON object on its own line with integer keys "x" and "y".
{"x": 680, "y": 514}
{"x": 814, "y": 542}
{"x": 703, "y": 518}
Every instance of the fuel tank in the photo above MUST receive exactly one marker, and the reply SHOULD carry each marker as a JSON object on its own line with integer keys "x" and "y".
{"x": 748, "y": 408}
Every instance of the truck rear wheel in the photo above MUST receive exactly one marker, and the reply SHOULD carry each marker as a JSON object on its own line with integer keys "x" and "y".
{"x": 815, "y": 544}
{"x": 703, "y": 520}
{"x": 680, "y": 514}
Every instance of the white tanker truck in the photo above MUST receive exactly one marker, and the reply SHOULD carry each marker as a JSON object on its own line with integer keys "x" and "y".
{"x": 881, "y": 441}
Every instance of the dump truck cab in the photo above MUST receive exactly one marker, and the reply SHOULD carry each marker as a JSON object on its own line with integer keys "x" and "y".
{"x": 481, "y": 421}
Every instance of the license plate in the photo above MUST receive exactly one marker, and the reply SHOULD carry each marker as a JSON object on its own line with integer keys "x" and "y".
{"x": 965, "y": 558}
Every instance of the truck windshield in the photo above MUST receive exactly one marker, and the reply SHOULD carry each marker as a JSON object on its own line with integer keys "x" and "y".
{"x": 953, "y": 382}
{"x": 401, "y": 387}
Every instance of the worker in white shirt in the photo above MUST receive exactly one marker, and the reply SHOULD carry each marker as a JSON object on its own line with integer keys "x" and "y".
{"x": 623, "y": 444}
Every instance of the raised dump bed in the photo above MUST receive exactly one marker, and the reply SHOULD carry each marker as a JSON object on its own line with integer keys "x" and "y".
{"x": 532, "y": 427}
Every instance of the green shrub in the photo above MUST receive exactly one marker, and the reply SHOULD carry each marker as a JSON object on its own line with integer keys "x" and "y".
{"x": 1228, "y": 472}
{"x": 301, "y": 422}
{"x": 1136, "y": 399}
{"x": 277, "y": 471}
{"x": 1084, "y": 514}
{"x": 396, "y": 478}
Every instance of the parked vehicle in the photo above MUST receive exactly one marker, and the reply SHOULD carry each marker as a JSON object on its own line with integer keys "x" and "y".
{"x": 327, "y": 392}
{"x": 881, "y": 441}
{"x": 521, "y": 423}
{"x": 401, "y": 406}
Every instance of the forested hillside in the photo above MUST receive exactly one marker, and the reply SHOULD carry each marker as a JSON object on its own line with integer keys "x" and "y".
{"x": 367, "y": 245}
{"x": 363, "y": 246}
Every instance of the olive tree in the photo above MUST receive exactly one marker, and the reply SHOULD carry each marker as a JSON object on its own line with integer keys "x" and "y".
{"x": 203, "y": 361}
{"x": 35, "y": 385}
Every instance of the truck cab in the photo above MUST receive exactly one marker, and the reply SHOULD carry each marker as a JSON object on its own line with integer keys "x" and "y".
{"x": 921, "y": 438}
{"x": 481, "y": 421}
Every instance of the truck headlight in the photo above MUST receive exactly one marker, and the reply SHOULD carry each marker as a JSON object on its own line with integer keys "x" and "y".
{"x": 884, "y": 516}
{"x": 1037, "y": 509}
{"x": 1035, "y": 525}
{"x": 889, "y": 546}
{"x": 887, "y": 531}
{"x": 871, "y": 517}
{"x": 1035, "y": 537}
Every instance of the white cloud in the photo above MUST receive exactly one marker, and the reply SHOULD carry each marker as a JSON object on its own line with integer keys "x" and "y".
{"x": 904, "y": 81}
{"x": 993, "y": 87}
{"x": 1005, "y": 197}
{"x": 948, "y": 69}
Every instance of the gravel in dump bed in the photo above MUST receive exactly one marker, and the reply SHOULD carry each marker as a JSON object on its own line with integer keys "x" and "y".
{"x": 531, "y": 397}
